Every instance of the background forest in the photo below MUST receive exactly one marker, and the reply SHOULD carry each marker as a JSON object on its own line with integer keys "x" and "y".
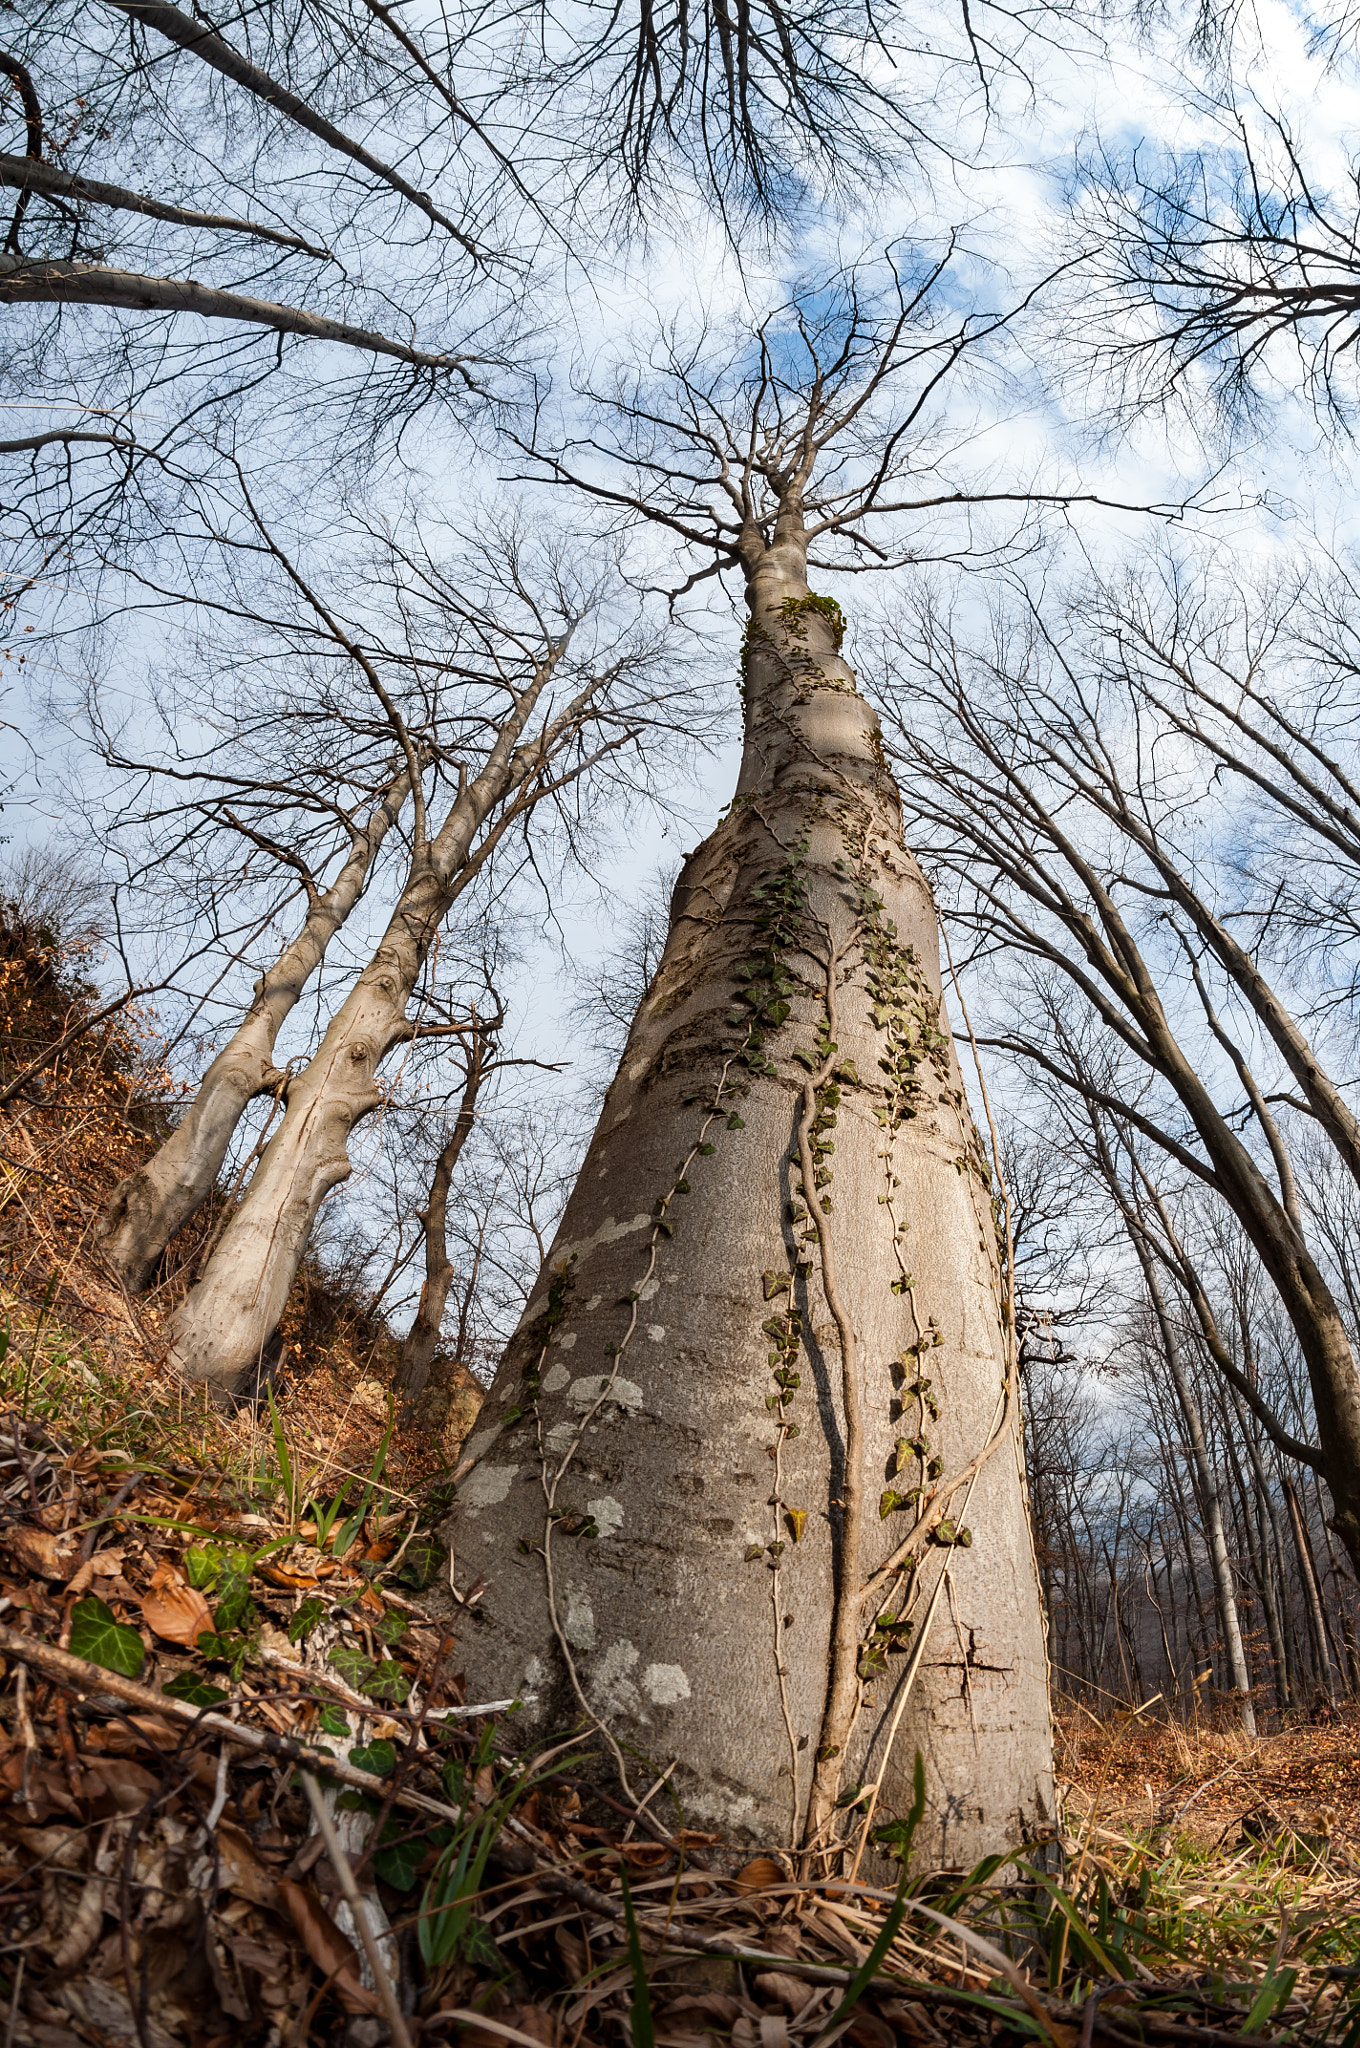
{"x": 383, "y": 387}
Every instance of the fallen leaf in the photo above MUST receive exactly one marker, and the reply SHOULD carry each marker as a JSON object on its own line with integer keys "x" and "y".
{"x": 129, "y": 1785}
{"x": 173, "y": 1608}
{"x": 794, "y": 1992}
{"x": 333, "y": 1954}
{"x": 242, "y": 1870}
{"x": 47, "y": 1555}
{"x": 758, "y": 1875}
{"x": 105, "y": 1564}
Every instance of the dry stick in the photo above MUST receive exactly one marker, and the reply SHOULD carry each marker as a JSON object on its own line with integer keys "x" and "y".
{"x": 93, "y": 1678}
{"x": 358, "y": 1913}
{"x": 909, "y": 1676}
{"x": 843, "y": 1688}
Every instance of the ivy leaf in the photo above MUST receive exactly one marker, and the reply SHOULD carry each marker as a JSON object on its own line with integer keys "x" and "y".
{"x": 754, "y": 1551}
{"x": 188, "y": 1686}
{"x": 398, "y": 1863}
{"x": 888, "y": 1503}
{"x": 387, "y": 1681}
{"x": 775, "y": 1283}
{"x": 202, "y": 1563}
{"x": 797, "y": 1521}
{"x": 805, "y": 1058}
{"x": 392, "y": 1627}
{"x": 378, "y": 1757}
{"x": 351, "y": 1662}
{"x": 233, "y": 1599}
{"x": 99, "y": 1637}
{"x": 333, "y": 1721}
{"x": 309, "y": 1615}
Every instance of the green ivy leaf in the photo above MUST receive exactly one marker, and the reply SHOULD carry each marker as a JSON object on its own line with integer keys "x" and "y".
{"x": 387, "y": 1681}
{"x": 392, "y": 1627}
{"x": 378, "y": 1757}
{"x": 420, "y": 1563}
{"x": 398, "y": 1863}
{"x": 202, "y": 1563}
{"x": 309, "y": 1616}
{"x": 233, "y": 1599}
{"x": 351, "y": 1662}
{"x": 333, "y": 1721}
{"x": 188, "y": 1686}
{"x": 99, "y": 1637}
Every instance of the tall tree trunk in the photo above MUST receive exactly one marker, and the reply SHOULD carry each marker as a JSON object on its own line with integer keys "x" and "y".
{"x": 422, "y": 1339}
{"x": 777, "y": 1268}
{"x": 1312, "y": 1591}
{"x": 149, "y": 1206}
{"x": 220, "y": 1330}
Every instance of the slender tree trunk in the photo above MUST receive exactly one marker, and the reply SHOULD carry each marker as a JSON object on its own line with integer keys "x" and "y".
{"x": 1271, "y": 1578}
{"x": 220, "y": 1331}
{"x": 765, "y": 1354}
{"x": 1206, "y": 1482}
{"x": 422, "y": 1339}
{"x": 149, "y": 1206}
{"x": 1312, "y": 1591}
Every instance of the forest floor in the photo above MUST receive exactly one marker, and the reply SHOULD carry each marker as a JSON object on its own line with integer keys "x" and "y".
{"x": 244, "y": 1804}
{"x": 1206, "y": 1781}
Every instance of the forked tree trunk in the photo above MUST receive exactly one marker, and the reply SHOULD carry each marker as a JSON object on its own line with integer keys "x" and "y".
{"x": 149, "y": 1206}
{"x": 779, "y": 1261}
{"x": 220, "y": 1330}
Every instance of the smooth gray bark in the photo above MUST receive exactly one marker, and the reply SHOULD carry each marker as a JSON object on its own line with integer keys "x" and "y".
{"x": 219, "y": 1332}
{"x": 149, "y": 1206}
{"x": 673, "y": 1494}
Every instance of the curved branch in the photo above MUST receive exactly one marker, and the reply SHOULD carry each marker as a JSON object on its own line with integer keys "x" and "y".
{"x": 201, "y": 42}
{"x": 94, "y": 284}
{"x": 30, "y": 174}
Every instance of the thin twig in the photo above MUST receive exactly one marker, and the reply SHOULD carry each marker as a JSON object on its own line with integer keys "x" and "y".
{"x": 359, "y": 1913}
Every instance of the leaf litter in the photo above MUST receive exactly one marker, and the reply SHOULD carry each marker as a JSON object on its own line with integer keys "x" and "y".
{"x": 244, "y": 1800}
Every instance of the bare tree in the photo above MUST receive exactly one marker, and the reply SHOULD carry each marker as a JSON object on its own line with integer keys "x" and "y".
{"x": 547, "y": 691}
{"x": 1049, "y": 807}
{"x": 766, "y": 1365}
{"x": 159, "y": 1197}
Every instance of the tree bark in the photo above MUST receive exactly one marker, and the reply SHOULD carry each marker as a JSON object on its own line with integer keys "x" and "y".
{"x": 422, "y": 1339}
{"x": 1312, "y": 1591}
{"x": 683, "y": 1495}
{"x": 1211, "y": 1506}
{"x": 149, "y": 1206}
{"x": 220, "y": 1331}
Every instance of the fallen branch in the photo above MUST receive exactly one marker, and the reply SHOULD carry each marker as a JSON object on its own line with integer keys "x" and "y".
{"x": 92, "y": 1678}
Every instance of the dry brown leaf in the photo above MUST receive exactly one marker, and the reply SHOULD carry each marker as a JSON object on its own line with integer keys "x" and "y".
{"x": 866, "y": 2030}
{"x": 173, "y": 1608}
{"x": 242, "y": 1870}
{"x": 794, "y": 1992}
{"x": 105, "y": 1564}
{"x": 333, "y": 1954}
{"x": 126, "y": 1783}
{"x": 47, "y": 1555}
{"x": 536, "y": 2023}
{"x": 913, "y": 2023}
{"x": 758, "y": 1875}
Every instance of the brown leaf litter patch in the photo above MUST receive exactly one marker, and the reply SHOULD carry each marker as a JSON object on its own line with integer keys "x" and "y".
{"x": 288, "y": 1827}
